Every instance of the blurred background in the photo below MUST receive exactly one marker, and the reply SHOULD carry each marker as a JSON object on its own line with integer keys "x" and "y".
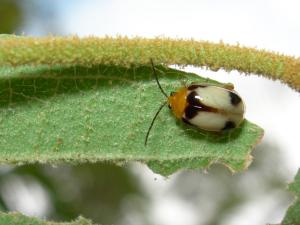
{"x": 109, "y": 194}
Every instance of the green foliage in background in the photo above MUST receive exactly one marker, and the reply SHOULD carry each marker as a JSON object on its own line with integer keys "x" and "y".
{"x": 96, "y": 191}
{"x": 292, "y": 216}
{"x": 11, "y": 16}
{"x": 19, "y": 219}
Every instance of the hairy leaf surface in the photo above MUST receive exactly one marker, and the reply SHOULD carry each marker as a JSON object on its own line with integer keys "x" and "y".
{"x": 102, "y": 113}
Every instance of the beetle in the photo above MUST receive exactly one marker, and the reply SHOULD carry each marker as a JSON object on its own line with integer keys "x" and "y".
{"x": 210, "y": 107}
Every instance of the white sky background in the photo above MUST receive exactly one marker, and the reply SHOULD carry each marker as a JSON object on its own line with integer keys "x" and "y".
{"x": 272, "y": 25}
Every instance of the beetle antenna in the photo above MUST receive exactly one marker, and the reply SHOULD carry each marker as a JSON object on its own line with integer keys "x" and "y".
{"x": 156, "y": 78}
{"x": 152, "y": 122}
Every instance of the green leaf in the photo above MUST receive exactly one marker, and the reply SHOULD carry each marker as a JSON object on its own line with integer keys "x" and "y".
{"x": 102, "y": 113}
{"x": 293, "y": 214}
{"x": 15, "y": 218}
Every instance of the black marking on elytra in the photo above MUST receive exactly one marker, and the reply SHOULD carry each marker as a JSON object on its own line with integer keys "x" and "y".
{"x": 194, "y": 86}
{"x": 229, "y": 125}
{"x": 193, "y": 99}
{"x": 234, "y": 98}
{"x": 186, "y": 121}
{"x": 191, "y": 111}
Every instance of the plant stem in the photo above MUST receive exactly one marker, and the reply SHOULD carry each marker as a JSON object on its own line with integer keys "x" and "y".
{"x": 122, "y": 51}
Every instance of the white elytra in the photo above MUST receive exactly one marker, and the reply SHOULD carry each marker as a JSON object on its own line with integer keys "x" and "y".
{"x": 220, "y": 99}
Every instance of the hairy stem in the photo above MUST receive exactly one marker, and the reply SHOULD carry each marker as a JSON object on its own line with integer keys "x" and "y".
{"x": 122, "y": 51}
